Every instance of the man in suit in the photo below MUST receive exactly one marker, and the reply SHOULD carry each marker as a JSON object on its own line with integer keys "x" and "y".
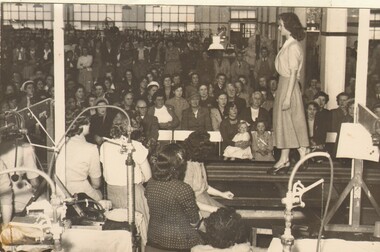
{"x": 339, "y": 114}
{"x": 239, "y": 67}
{"x": 265, "y": 65}
{"x": 256, "y": 113}
{"x": 196, "y": 117}
{"x": 148, "y": 122}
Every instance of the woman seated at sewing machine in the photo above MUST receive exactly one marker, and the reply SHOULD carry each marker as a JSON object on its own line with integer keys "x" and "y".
{"x": 82, "y": 159}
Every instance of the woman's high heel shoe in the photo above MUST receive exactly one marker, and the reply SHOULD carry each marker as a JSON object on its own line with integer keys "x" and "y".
{"x": 282, "y": 170}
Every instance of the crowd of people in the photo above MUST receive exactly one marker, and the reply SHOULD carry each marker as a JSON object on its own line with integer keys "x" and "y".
{"x": 175, "y": 83}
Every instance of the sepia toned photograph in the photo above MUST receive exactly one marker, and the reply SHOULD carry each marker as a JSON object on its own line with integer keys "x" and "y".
{"x": 156, "y": 126}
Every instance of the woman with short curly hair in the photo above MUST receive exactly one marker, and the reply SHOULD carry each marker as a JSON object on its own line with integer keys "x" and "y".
{"x": 198, "y": 147}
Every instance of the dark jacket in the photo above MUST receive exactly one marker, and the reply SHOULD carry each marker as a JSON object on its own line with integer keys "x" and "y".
{"x": 201, "y": 122}
{"x": 150, "y": 126}
{"x": 263, "y": 116}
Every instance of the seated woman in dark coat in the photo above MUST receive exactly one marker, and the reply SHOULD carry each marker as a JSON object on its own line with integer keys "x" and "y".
{"x": 173, "y": 210}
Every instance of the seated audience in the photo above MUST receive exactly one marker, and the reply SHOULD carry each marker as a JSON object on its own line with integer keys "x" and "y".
{"x": 149, "y": 124}
{"x": 173, "y": 210}
{"x": 312, "y": 90}
{"x": 196, "y": 117}
{"x": 255, "y": 112}
{"x": 262, "y": 143}
{"x": 206, "y": 101}
{"x": 83, "y": 172}
{"x": 232, "y": 152}
{"x": 178, "y": 102}
{"x": 167, "y": 119}
{"x": 317, "y": 129}
{"x": 241, "y": 91}
{"x": 226, "y": 231}
{"x": 193, "y": 86}
{"x": 220, "y": 112}
{"x": 233, "y": 98}
{"x": 152, "y": 88}
{"x": 220, "y": 84}
{"x": 229, "y": 128}
{"x": 168, "y": 87}
{"x": 339, "y": 115}
{"x": 100, "y": 123}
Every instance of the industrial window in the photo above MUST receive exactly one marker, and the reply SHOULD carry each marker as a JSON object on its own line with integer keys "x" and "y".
{"x": 243, "y": 14}
{"x": 23, "y": 15}
{"x": 170, "y": 18}
{"x": 97, "y": 16}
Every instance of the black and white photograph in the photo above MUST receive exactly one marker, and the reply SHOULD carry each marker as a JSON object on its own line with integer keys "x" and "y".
{"x": 215, "y": 126}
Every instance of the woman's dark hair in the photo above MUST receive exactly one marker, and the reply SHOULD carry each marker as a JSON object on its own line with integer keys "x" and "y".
{"x": 224, "y": 228}
{"x": 77, "y": 87}
{"x": 76, "y": 129}
{"x": 313, "y": 103}
{"x": 293, "y": 25}
{"x": 198, "y": 146}
{"x": 231, "y": 105}
{"x": 158, "y": 93}
{"x": 323, "y": 94}
{"x": 169, "y": 164}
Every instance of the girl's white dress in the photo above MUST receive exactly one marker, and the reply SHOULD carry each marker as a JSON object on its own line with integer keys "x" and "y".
{"x": 236, "y": 152}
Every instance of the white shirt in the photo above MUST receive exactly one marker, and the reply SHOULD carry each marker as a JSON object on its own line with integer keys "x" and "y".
{"x": 82, "y": 159}
{"x": 254, "y": 114}
{"x": 114, "y": 168}
{"x": 163, "y": 115}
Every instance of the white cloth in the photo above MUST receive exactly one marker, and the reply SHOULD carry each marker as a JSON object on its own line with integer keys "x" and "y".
{"x": 114, "y": 169}
{"x": 163, "y": 115}
{"x": 237, "y": 152}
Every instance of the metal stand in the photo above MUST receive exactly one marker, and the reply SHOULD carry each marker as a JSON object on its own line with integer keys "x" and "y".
{"x": 356, "y": 184}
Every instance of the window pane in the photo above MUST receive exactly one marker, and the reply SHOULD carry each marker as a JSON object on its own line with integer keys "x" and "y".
{"x": 234, "y": 14}
{"x": 6, "y": 7}
{"x": 190, "y": 9}
{"x": 47, "y": 7}
{"x": 174, "y": 27}
{"x": 243, "y": 14}
{"x": 102, "y": 7}
{"x": 118, "y": 8}
{"x": 174, "y": 9}
{"x": 156, "y": 27}
{"x": 22, "y": 15}
{"x": 7, "y": 15}
{"x": 14, "y": 7}
{"x": 165, "y": 9}
{"x": 157, "y": 17}
{"x": 77, "y": 25}
{"x": 149, "y": 9}
{"x": 85, "y": 7}
{"x": 102, "y": 15}
{"x": 29, "y": 7}
{"x": 47, "y": 15}
{"x": 110, "y": 8}
{"x": 118, "y": 16}
{"x": 149, "y": 17}
{"x": 165, "y": 26}
{"x": 149, "y": 26}
{"x": 182, "y": 27}
{"x": 93, "y": 7}
{"x": 31, "y": 15}
{"x": 77, "y": 16}
{"x": 119, "y": 24}
{"x": 165, "y": 17}
{"x": 251, "y": 14}
{"x": 190, "y": 18}
{"x": 182, "y": 9}
{"x": 77, "y": 8}
{"x": 174, "y": 17}
{"x": 182, "y": 17}
{"x": 23, "y": 7}
{"x": 156, "y": 9}
{"x": 85, "y": 16}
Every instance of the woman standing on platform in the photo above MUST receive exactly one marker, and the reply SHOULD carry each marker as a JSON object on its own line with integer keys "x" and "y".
{"x": 289, "y": 124}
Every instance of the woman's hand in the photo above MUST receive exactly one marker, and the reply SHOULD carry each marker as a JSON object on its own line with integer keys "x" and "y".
{"x": 286, "y": 104}
{"x": 227, "y": 195}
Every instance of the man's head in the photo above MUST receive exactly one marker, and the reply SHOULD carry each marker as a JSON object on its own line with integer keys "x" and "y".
{"x": 231, "y": 90}
{"x": 341, "y": 99}
{"x": 141, "y": 107}
{"x": 256, "y": 99}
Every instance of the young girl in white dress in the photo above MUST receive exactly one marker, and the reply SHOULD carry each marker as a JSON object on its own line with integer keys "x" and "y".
{"x": 232, "y": 152}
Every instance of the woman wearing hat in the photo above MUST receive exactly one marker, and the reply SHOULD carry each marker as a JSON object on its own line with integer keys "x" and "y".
{"x": 82, "y": 159}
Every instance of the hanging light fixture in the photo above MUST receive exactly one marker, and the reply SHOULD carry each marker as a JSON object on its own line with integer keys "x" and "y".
{"x": 38, "y": 6}
{"x": 126, "y": 7}
{"x": 216, "y": 45}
